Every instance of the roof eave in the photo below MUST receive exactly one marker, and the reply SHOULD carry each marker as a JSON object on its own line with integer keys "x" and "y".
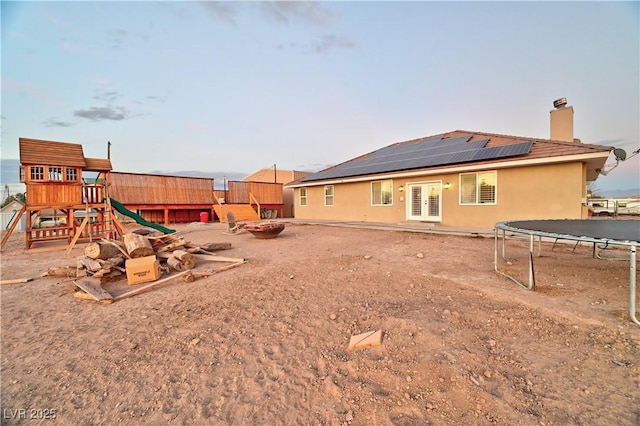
{"x": 596, "y": 159}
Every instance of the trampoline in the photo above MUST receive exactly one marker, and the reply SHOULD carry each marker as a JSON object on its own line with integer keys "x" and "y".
{"x": 606, "y": 232}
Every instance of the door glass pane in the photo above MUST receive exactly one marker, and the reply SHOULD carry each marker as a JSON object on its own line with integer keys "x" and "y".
{"x": 434, "y": 201}
{"x": 416, "y": 201}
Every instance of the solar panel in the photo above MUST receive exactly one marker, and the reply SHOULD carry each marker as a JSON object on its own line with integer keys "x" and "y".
{"x": 429, "y": 152}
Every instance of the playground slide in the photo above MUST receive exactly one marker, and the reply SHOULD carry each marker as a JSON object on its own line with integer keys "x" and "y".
{"x": 139, "y": 219}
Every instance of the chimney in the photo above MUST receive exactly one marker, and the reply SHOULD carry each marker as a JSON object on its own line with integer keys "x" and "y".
{"x": 562, "y": 121}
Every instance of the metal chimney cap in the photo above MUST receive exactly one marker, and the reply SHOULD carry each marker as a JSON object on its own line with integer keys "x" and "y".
{"x": 560, "y": 103}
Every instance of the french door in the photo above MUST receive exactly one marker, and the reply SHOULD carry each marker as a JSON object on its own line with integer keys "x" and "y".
{"x": 425, "y": 201}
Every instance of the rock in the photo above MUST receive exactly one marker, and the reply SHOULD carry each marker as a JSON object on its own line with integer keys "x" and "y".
{"x": 333, "y": 316}
{"x": 349, "y": 416}
{"x": 420, "y": 255}
{"x": 367, "y": 257}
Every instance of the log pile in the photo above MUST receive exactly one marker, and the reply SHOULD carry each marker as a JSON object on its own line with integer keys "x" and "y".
{"x": 105, "y": 261}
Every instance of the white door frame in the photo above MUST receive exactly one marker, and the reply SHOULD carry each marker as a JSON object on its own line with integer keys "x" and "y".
{"x": 427, "y": 211}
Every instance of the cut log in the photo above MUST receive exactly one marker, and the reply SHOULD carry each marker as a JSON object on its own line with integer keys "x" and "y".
{"x": 188, "y": 278}
{"x": 212, "y": 246}
{"x": 100, "y": 250}
{"x": 118, "y": 246}
{"x": 181, "y": 242}
{"x": 91, "y": 265}
{"x": 114, "y": 261}
{"x": 137, "y": 245}
{"x": 176, "y": 264}
{"x": 188, "y": 259}
{"x": 67, "y": 272}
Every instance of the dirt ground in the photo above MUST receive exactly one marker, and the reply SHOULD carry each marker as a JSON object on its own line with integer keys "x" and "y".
{"x": 266, "y": 343}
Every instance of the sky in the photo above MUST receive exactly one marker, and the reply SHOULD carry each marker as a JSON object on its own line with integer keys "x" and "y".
{"x": 234, "y": 87}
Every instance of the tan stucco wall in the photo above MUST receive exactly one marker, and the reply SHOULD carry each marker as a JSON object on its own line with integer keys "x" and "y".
{"x": 562, "y": 124}
{"x": 537, "y": 192}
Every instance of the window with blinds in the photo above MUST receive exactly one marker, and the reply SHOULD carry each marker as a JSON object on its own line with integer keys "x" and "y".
{"x": 328, "y": 195}
{"x": 382, "y": 193}
{"x": 303, "y": 196}
{"x": 478, "y": 188}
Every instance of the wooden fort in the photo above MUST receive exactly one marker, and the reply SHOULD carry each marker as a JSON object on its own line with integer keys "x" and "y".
{"x": 61, "y": 204}
{"x": 74, "y": 198}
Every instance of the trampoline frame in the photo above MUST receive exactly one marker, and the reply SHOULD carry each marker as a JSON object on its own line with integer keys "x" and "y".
{"x": 505, "y": 226}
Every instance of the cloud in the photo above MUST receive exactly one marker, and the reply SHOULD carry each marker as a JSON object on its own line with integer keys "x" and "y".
{"x": 106, "y": 96}
{"x": 287, "y": 11}
{"x": 161, "y": 99}
{"x": 103, "y": 113}
{"x": 221, "y": 11}
{"x": 53, "y": 123}
{"x": 323, "y": 44}
{"x": 331, "y": 41}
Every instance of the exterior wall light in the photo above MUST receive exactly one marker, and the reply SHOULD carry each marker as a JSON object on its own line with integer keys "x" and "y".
{"x": 401, "y": 188}
{"x": 447, "y": 185}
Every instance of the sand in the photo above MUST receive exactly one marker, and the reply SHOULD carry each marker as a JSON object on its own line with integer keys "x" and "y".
{"x": 267, "y": 342}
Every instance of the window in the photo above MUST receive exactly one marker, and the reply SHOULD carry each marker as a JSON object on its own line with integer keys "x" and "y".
{"x": 303, "y": 196}
{"x": 72, "y": 174}
{"x": 328, "y": 195}
{"x": 478, "y": 188}
{"x": 22, "y": 175}
{"x": 382, "y": 193}
{"x": 37, "y": 173}
{"x": 55, "y": 173}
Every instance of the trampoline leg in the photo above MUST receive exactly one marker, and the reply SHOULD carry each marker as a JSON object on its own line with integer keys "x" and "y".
{"x": 532, "y": 283}
{"x": 632, "y": 285}
{"x": 532, "y": 280}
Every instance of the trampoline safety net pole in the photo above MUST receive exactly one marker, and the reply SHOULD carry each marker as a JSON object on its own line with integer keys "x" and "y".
{"x": 632, "y": 285}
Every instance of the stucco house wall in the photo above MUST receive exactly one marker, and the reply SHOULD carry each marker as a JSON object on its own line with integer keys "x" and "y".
{"x": 553, "y": 191}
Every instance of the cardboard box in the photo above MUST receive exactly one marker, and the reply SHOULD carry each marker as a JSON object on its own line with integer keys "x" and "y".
{"x": 142, "y": 269}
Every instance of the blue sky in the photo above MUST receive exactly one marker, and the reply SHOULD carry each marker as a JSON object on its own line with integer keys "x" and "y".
{"x": 239, "y": 86}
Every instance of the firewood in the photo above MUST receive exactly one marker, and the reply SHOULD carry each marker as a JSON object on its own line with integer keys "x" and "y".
{"x": 100, "y": 250}
{"x": 176, "y": 264}
{"x": 188, "y": 259}
{"x": 137, "y": 245}
{"x": 181, "y": 242}
{"x": 211, "y": 246}
{"x": 66, "y": 272}
{"x": 188, "y": 278}
{"x": 91, "y": 265}
{"x": 118, "y": 246}
{"x": 112, "y": 261}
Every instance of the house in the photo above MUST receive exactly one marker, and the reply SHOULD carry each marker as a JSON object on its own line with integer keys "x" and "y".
{"x": 12, "y": 212}
{"x": 275, "y": 175}
{"x": 459, "y": 179}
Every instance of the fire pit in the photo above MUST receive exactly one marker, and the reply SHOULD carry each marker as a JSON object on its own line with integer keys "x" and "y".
{"x": 265, "y": 230}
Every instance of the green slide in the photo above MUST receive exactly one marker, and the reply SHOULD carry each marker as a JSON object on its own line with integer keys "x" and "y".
{"x": 122, "y": 209}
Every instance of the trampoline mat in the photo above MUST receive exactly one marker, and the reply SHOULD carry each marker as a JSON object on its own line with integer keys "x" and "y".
{"x": 618, "y": 230}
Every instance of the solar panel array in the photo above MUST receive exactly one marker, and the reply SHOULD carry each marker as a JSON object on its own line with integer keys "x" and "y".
{"x": 420, "y": 154}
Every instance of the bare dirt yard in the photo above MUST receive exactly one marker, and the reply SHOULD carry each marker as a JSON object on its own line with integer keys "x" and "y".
{"x": 266, "y": 343}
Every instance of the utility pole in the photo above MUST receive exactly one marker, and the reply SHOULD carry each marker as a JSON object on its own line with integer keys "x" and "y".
{"x": 275, "y": 174}
{"x": 109, "y": 150}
